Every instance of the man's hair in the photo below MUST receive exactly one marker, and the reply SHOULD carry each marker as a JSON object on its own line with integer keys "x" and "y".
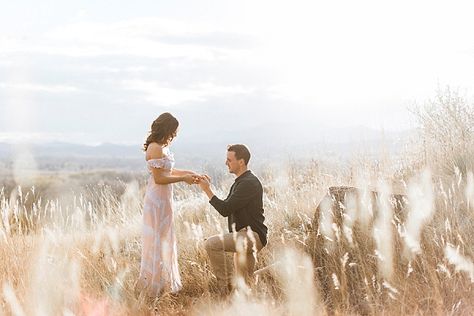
{"x": 241, "y": 152}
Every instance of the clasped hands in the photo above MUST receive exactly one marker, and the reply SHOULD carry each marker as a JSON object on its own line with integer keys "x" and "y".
{"x": 203, "y": 180}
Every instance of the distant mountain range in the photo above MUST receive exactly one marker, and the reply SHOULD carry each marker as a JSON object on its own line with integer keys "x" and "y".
{"x": 269, "y": 143}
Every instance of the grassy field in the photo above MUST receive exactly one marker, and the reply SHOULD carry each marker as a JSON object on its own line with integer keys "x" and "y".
{"x": 71, "y": 244}
{"x": 81, "y": 256}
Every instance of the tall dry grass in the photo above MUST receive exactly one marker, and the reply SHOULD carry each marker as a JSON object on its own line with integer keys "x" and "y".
{"x": 83, "y": 254}
{"x": 446, "y": 125}
{"x": 83, "y": 258}
{"x": 80, "y": 255}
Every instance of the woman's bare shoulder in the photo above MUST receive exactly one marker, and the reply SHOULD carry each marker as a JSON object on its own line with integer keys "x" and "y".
{"x": 154, "y": 151}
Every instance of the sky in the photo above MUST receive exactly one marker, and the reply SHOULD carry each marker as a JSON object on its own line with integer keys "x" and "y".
{"x": 102, "y": 71}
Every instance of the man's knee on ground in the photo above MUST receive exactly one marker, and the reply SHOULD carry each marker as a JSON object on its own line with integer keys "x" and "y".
{"x": 213, "y": 243}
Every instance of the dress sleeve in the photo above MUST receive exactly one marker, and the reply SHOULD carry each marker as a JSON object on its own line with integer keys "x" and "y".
{"x": 159, "y": 163}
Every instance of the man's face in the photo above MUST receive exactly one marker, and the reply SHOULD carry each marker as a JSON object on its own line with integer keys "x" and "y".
{"x": 232, "y": 163}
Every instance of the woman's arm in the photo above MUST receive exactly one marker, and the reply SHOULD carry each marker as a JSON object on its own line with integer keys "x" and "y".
{"x": 161, "y": 176}
{"x": 180, "y": 172}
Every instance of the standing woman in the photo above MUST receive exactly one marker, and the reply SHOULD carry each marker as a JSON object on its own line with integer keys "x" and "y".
{"x": 159, "y": 270}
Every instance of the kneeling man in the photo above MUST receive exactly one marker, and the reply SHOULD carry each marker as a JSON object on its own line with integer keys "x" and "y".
{"x": 243, "y": 208}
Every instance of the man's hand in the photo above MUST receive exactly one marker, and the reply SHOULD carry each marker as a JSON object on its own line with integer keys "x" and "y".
{"x": 205, "y": 185}
{"x": 205, "y": 182}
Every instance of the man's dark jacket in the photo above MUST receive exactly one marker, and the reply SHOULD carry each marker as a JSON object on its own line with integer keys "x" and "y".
{"x": 244, "y": 205}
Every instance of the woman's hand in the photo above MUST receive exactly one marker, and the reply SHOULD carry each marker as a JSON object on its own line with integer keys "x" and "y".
{"x": 191, "y": 179}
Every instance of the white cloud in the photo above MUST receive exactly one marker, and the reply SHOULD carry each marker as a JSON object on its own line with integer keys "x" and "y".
{"x": 160, "y": 94}
{"x": 359, "y": 56}
{"x": 34, "y": 87}
{"x": 354, "y": 63}
{"x": 144, "y": 37}
{"x": 38, "y": 137}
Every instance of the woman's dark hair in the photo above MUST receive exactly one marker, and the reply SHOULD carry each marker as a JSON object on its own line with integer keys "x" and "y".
{"x": 163, "y": 130}
{"x": 241, "y": 152}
